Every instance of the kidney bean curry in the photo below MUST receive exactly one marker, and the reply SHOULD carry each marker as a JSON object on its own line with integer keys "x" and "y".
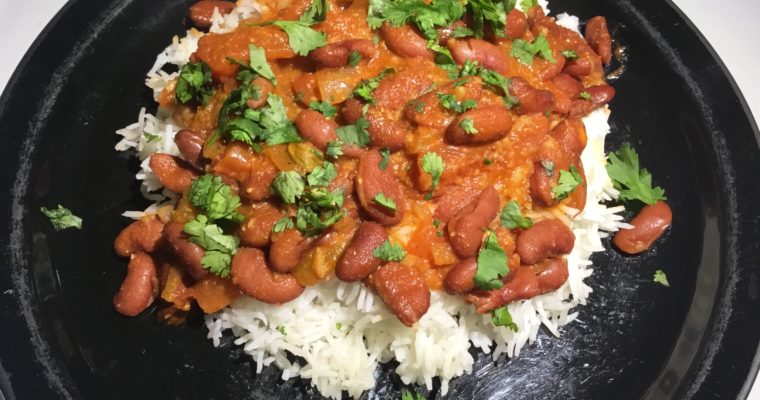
{"x": 411, "y": 145}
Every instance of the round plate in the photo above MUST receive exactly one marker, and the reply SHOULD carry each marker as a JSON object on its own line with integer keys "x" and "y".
{"x": 676, "y": 103}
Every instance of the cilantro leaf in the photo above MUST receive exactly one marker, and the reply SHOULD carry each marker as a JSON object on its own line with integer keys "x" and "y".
{"x": 409, "y": 395}
{"x": 512, "y": 218}
{"x": 312, "y": 219}
{"x": 585, "y": 95}
{"x": 219, "y": 247}
{"x": 461, "y": 32}
{"x": 385, "y": 154}
{"x": 525, "y": 51}
{"x": 151, "y": 138}
{"x": 302, "y": 38}
{"x": 632, "y": 182}
{"x": 258, "y": 63}
{"x": 661, "y": 278}
{"x": 194, "y": 83}
{"x": 568, "y": 182}
{"x": 486, "y": 12}
{"x": 433, "y": 164}
{"x": 499, "y": 81}
{"x": 449, "y": 102}
{"x": 327, "y": 109}
{"x": 289, "y": 185}
{"x": 492, "y": 264}
{"x": 214, "y": 198}
{"x": 388, "y": 251}
{"x": 355, "y": 134}
{"x": 62, "y": 218}
{"x": 385, "y": 201}
{"x": 334, "y": 149}
{"x": 502, "y": 317}
{"x": 367, "y": 86}
{"x": 548, "y": 166}
{"x": 278, "y": 129}
{"x": 354, "y": 58}
{"x": 282, "y": 224}
{"x": 468, "y": 125}
{"x": 322, "y": 175}
{"x": 569, "y": 54}
{"x": 528, "y": 4}
{"x": 425, "y": 15}
{"x": 317, "y": 12}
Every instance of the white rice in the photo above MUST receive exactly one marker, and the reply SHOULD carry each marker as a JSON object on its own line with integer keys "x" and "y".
{"x": 340, "y": 330}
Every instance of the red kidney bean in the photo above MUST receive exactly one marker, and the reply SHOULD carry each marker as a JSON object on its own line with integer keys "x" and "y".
{"x": 546, "y": 70}
{"x": 202, "y": 11}
{"x": 385, "y": 132}
{"x": 452, "y": 200}
{"x": 598, "y": 37}
{"x": 568, "y": 85}
{"x": 305, "y": 89}
{"x": 551, "y": 273}
{"x": 426, "y": 110}
{"x": 546, "y": 238}
{"x": 287, "y": 250}
{"x": 599, "y": 95}
{"x": 544, "y": 179}
{"x": 190, "y": 145}
{"x": 579, "y": 67}
{"x": 352, "y": 110}
{"x": 405, "y": 41}
{"x": 532, "y": 100}
{"x": 139, "y": 288}
{"x": 403, "y": 290}
{"x": 397, "y": 89}
{"x": 143, "y": 235}
{"x": 317, "y": 129}
{"x": 444, "y": 33}
{"x": 571, "y": 136}
{"x": 486, "y": 54}
{"x": 517, "y": 24}
{"x": 357, "y": 262}
{"x": 648, "y": 225}
{"x": 491, "y": 123}
{"x": 256, "y": 229}
{"x": 467, "y": 227}
{"x": 265, "y": 87}
{"x": 251, "y": 274}
{"x": 371, "y": 181}
{"x": 189, "y": 253}
{"x": 336, "y": 54}
{"x": 173, "y": 172}
{"x": 460, "y": 279}
{"x": 262, "y": 174}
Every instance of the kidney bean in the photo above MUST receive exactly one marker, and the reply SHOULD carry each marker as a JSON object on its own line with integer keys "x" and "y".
{"x": 265, "y": 87}
{"x": 371, "y": 181}
{"x": 426, "y": 110}
{"x": 357, "y": 262}
{"x": 189, "y": 253}
{"x": 546, "y": 238}
{"x": 287, "y": 250}
{"x": 460, "y": 279}
{"x": 385, "y": 132}
{"x": 532, "y": 100}
{"x": 444, "y": 33}
{"x": 579, "y": 67}
{"x": 405, "y": 41}
{"x": 491, "y": 124}
{"x": 568, "y": 85}
{"x": 190, "y": 145}
{"x": 305, "y": 89}
{"x": 546, "y": 70}
{"x": 486, "y": 54}
{"x": 336, "y": 54}
{"x": 648, "y": 225}
{"x": 452, "y": 200}
{"x": 397, "y": 89}
{"x": 143, "y": 235}
{"x": 403, "y": 290}
{"x": 466, "y": 228}
{"x": 251, "y": 274}
{"x": 517, "y": 24}
{"x": 139, "y": 288}
{"x": 544, "y": 179}
{"x": 262, "y": 174}
{"x": 256, "y": 229}
{"x": 571, "y": 136}
{"x": 352, "y": 110}
{"x": 173, "y": 172}
{"x": 599, "y": 95}
{"x": 202, "y": 11}
{"x": 317, "y": 129}
{"x": 598, "y": 37}
{"x": 551, "y": 273}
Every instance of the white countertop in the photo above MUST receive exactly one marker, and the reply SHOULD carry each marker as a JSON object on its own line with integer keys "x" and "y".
{"x": 733, "y": 34}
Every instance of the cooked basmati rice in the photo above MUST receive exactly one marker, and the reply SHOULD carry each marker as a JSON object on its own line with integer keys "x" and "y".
{"x": 339, "y": 329}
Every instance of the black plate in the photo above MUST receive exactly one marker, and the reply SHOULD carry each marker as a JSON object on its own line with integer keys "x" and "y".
{"x": 676, "y": 103}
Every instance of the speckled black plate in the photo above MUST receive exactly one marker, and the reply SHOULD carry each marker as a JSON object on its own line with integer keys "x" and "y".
{"x": 676, "y": 103}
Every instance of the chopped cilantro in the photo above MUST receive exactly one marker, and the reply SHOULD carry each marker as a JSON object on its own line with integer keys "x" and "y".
{"x": 409, "y": 395}
{"x": 634, "y": 183}
{"x": 449, "y": 102}
{"x": 468, "y": 125}
{"x": 62, "y": 218}
{"x": 219, "y": 247}
{"x": 568, "y": 182}
{"x": 548, "y": 166}
{"x": 367, "y": 86}
{"x": 492, "y": 264}
{"x": 317, "y": 12}
{"x": 257, "y": 61}
{"x": 385, "y": 201}
{"x": 194, "y": 83}
{"x": 502, "y": 317}
{"x": 486, "y": 12}
{"x": 525, "y": 51}
{"x": 214, "y": 198}
{"x": 585, "y": 95}
{"x": 151, "y": 138}
{"x": 322, "y": 175}
{"x": 661, "y": 278}
{"x": 512, "y": 218}
{"x": 282, "y": 331}
{"x": 385, "y": 154}
{"x": 327, "y": 109}
{"x": 528, "y": 4}
{"x": 289, "y": 185}
{"x": 334, "y": 149}
{"x": 338, "y": 326}
{"x": 487, "y": 161}
{"x": 269, "y": 124}
{"x": 461, "y": 32}
{"x": 354, "y": 58}
{"x": 433, "y": 164}
{"x": 355, "y": 134}
{"x": 426, "y": 15}
{"x": 282, "y": 224}
{"x": 301, "y": 37}
{"x": 389, "y": 252}
{"x": 570, "y": 54}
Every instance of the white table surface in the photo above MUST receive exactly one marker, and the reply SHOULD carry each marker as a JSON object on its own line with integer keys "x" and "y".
{"x": 734, "y": 34}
